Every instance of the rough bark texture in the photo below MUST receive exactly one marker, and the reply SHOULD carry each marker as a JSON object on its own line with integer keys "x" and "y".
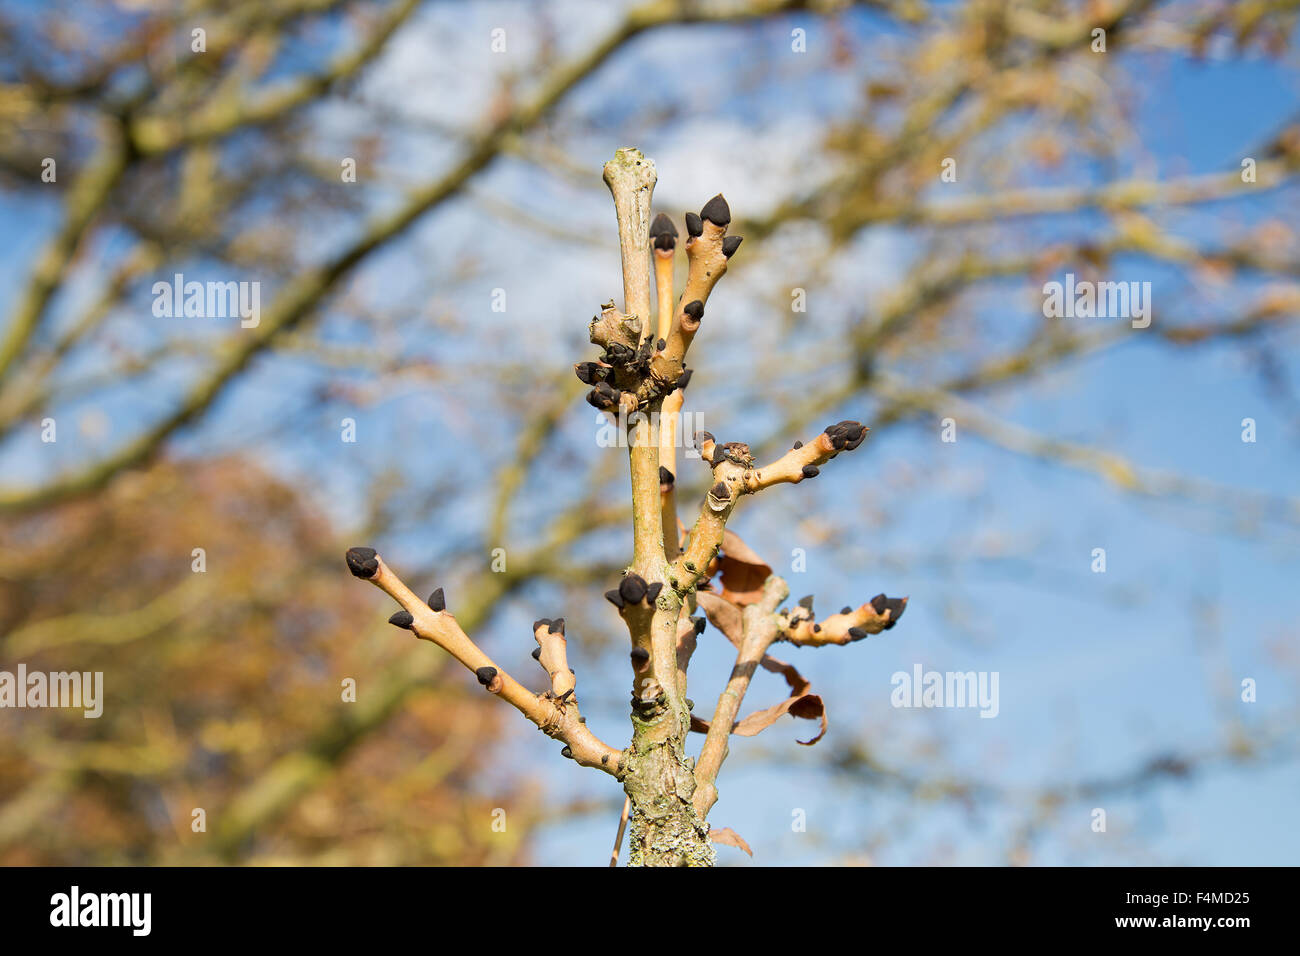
{"x": 659, "y": 780}
{"x": 663, "y": 828}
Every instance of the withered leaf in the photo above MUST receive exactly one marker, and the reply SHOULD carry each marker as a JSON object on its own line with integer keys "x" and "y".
{"x": 729, "y": 837}
{"x": 807, "y": 706}
{"x": 800, "y": 703}
{"x": 743, "y": 571}
{"x": 723, "y": 615}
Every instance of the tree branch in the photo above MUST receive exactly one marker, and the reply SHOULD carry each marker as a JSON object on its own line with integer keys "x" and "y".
{"x": 555, "y": 715}
{"x": 760, "y": 631}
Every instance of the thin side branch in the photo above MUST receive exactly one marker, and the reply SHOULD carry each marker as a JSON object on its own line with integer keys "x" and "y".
{"x": 431, "y": 621}
{"x": 760, "y": 631}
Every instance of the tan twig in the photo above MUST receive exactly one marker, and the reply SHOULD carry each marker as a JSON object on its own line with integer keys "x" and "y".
{"x": 622, "y": 826}
{"x": 760, "y": 630}
{"x": 431, "y": 621}
{"x": 639, "y": 377}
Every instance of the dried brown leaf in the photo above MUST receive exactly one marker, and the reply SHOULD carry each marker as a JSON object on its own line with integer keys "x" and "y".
{"x": 807, "y": 706}
{"x": 743, "y": 571}
{"x": 729, "y": 837}
{"x": 723, "y": 615}
{"x": 800, "y": 703}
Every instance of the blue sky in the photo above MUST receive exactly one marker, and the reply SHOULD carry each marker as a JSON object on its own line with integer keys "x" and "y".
{"x": 1098, "y": 671}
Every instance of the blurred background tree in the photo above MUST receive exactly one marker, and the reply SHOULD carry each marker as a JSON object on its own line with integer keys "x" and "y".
{"x": 413, "y": 300}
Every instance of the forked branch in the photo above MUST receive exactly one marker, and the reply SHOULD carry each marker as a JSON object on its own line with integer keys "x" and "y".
{"x": 639, "y": 379}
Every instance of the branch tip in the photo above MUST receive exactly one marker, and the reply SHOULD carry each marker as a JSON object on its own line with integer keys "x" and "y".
{"x": 716, "y": 211}
{"x": 663, "y": 233}
{"x": 846, "y": 435}
{"x": 362, "y": 562}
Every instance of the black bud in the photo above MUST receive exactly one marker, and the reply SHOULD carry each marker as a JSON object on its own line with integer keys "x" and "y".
{"x": 661, "y": 345}
{"x": 798, "y": 445}
{"x": 663, "y": 232}
{"x": 652, "y": 592}
{"x": 632, "y": 588}
{"x": 537, "y": 653}
{"x": 685, "y": 378}
{"x": 719, "y": 490}
{"x": 567, "y": 752}
{"x": 402, "y": 619}
{"x": 639, "y": 656}
{"x": 556, "y": 626}
{"x": 693, "y": 224}
{"x": 665, "y": 476}
{"x": 615, "y": 598}
{"x": 807, "y": 601}
{"x": 879, "y": 603}
{"x": 694, "y": 309}
{"x": 811, "y": 471}
{"x": 699, "y": 623}
{"x": 857, "y": 633}
{"x": 438, "y": 601}
{"x": 589, "y": 373}
{"x": 846, "y": 434}
{"x": 702, "y": 437}
{"x": 716, "y": 211}
{"x": 896, "y": 607}
{"x": 846, "y": 610}
{"x": 603, "y": 395}
{"x": 817, "y": 628}
{"x": 731, "y": 244}
{"x": 362, "y": 562}
{"x": 541, "y": 622}
{"x": 485, "y": 675}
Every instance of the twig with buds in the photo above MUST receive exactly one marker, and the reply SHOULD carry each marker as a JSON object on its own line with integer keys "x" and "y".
{"x": 640, "y": 378}
{"x": 430, "y": 620}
